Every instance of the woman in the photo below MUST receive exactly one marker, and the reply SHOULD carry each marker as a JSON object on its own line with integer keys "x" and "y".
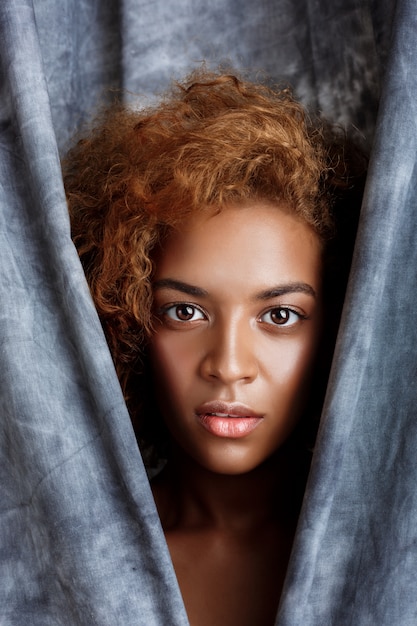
{"x": 207, "y": 229}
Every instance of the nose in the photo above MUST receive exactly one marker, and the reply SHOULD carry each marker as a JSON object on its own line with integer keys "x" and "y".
{"x": 229, "y": 355}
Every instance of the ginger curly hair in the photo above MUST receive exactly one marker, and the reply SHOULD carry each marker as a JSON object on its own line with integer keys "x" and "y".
{"x": 212, "y": 141}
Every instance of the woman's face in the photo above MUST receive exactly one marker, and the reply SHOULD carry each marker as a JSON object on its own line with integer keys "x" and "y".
{"x": 237, "y": 313}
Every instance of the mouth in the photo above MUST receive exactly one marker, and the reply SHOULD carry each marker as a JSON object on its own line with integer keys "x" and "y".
{"x": 230, "y": 420}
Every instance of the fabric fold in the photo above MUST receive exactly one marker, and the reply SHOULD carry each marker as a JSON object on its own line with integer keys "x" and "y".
{"x": 81, "y": 539}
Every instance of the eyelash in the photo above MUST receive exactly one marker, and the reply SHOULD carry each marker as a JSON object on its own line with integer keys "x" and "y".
{"x": 184, "y": 305}
{"x": 288, "y": 313}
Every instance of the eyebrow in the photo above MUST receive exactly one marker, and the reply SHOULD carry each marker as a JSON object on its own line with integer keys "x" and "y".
{"x": 177, "y": 285}
{"x": 274, "y": 292}
{"x": 282, "y": 290}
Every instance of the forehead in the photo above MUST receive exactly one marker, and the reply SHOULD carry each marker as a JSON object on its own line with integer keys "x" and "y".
{"x": 256, "y": 243}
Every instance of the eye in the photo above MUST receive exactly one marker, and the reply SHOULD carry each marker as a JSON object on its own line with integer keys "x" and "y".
{"x": 183, "y": 313}
{"x": 281, "y": 316}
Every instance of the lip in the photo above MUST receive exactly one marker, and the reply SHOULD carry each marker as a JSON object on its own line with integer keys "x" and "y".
{"x": 228, "y": 419}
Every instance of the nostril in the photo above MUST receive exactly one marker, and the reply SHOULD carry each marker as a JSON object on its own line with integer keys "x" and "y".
{"x": 230, "y": 354}
{"x": 217, "y": 367}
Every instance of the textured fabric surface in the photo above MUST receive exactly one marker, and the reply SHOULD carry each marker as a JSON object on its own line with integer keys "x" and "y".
{"x": 326, "y": 50}
{"x": 361, "y": 506}
{"x": 80, "y": 540}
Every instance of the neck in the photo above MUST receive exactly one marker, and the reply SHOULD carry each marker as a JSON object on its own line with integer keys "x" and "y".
{"x": 188, "y": 495}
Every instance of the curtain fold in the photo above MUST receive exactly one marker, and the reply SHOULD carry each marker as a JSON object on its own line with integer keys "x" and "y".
{"x": 356, "y": 552}
{"x": 80, "y": 540}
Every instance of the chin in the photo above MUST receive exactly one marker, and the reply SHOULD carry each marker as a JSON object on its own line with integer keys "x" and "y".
{"x": 231, "y": 463}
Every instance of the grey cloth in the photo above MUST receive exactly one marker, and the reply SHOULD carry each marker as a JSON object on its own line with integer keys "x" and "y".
{"x": 80, "y": 540}
{"x": 358, "y": 526}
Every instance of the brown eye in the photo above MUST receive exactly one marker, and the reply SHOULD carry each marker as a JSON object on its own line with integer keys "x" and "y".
{"x": 281, "y": 316}
{"x": 184, "y": 313}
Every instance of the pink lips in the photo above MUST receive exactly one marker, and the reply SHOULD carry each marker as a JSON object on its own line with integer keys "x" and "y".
{"x": 224, "y": 419}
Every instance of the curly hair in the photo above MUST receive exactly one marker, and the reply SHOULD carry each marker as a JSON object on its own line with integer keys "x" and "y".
{"x": 212, "y": 141}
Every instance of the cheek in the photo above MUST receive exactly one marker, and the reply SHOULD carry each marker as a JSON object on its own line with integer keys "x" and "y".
{"x": 171, "y": 362}
{"x": 291, "y": 364}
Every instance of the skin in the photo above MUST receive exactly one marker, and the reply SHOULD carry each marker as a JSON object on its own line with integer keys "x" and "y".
{"x": 237, "y": 318}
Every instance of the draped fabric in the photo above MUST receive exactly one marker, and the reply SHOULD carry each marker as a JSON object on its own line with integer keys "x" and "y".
{"x": 80, "y": 539}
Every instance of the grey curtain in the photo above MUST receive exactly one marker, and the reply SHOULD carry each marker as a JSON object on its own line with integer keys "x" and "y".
{"x": 80, "y": 540}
